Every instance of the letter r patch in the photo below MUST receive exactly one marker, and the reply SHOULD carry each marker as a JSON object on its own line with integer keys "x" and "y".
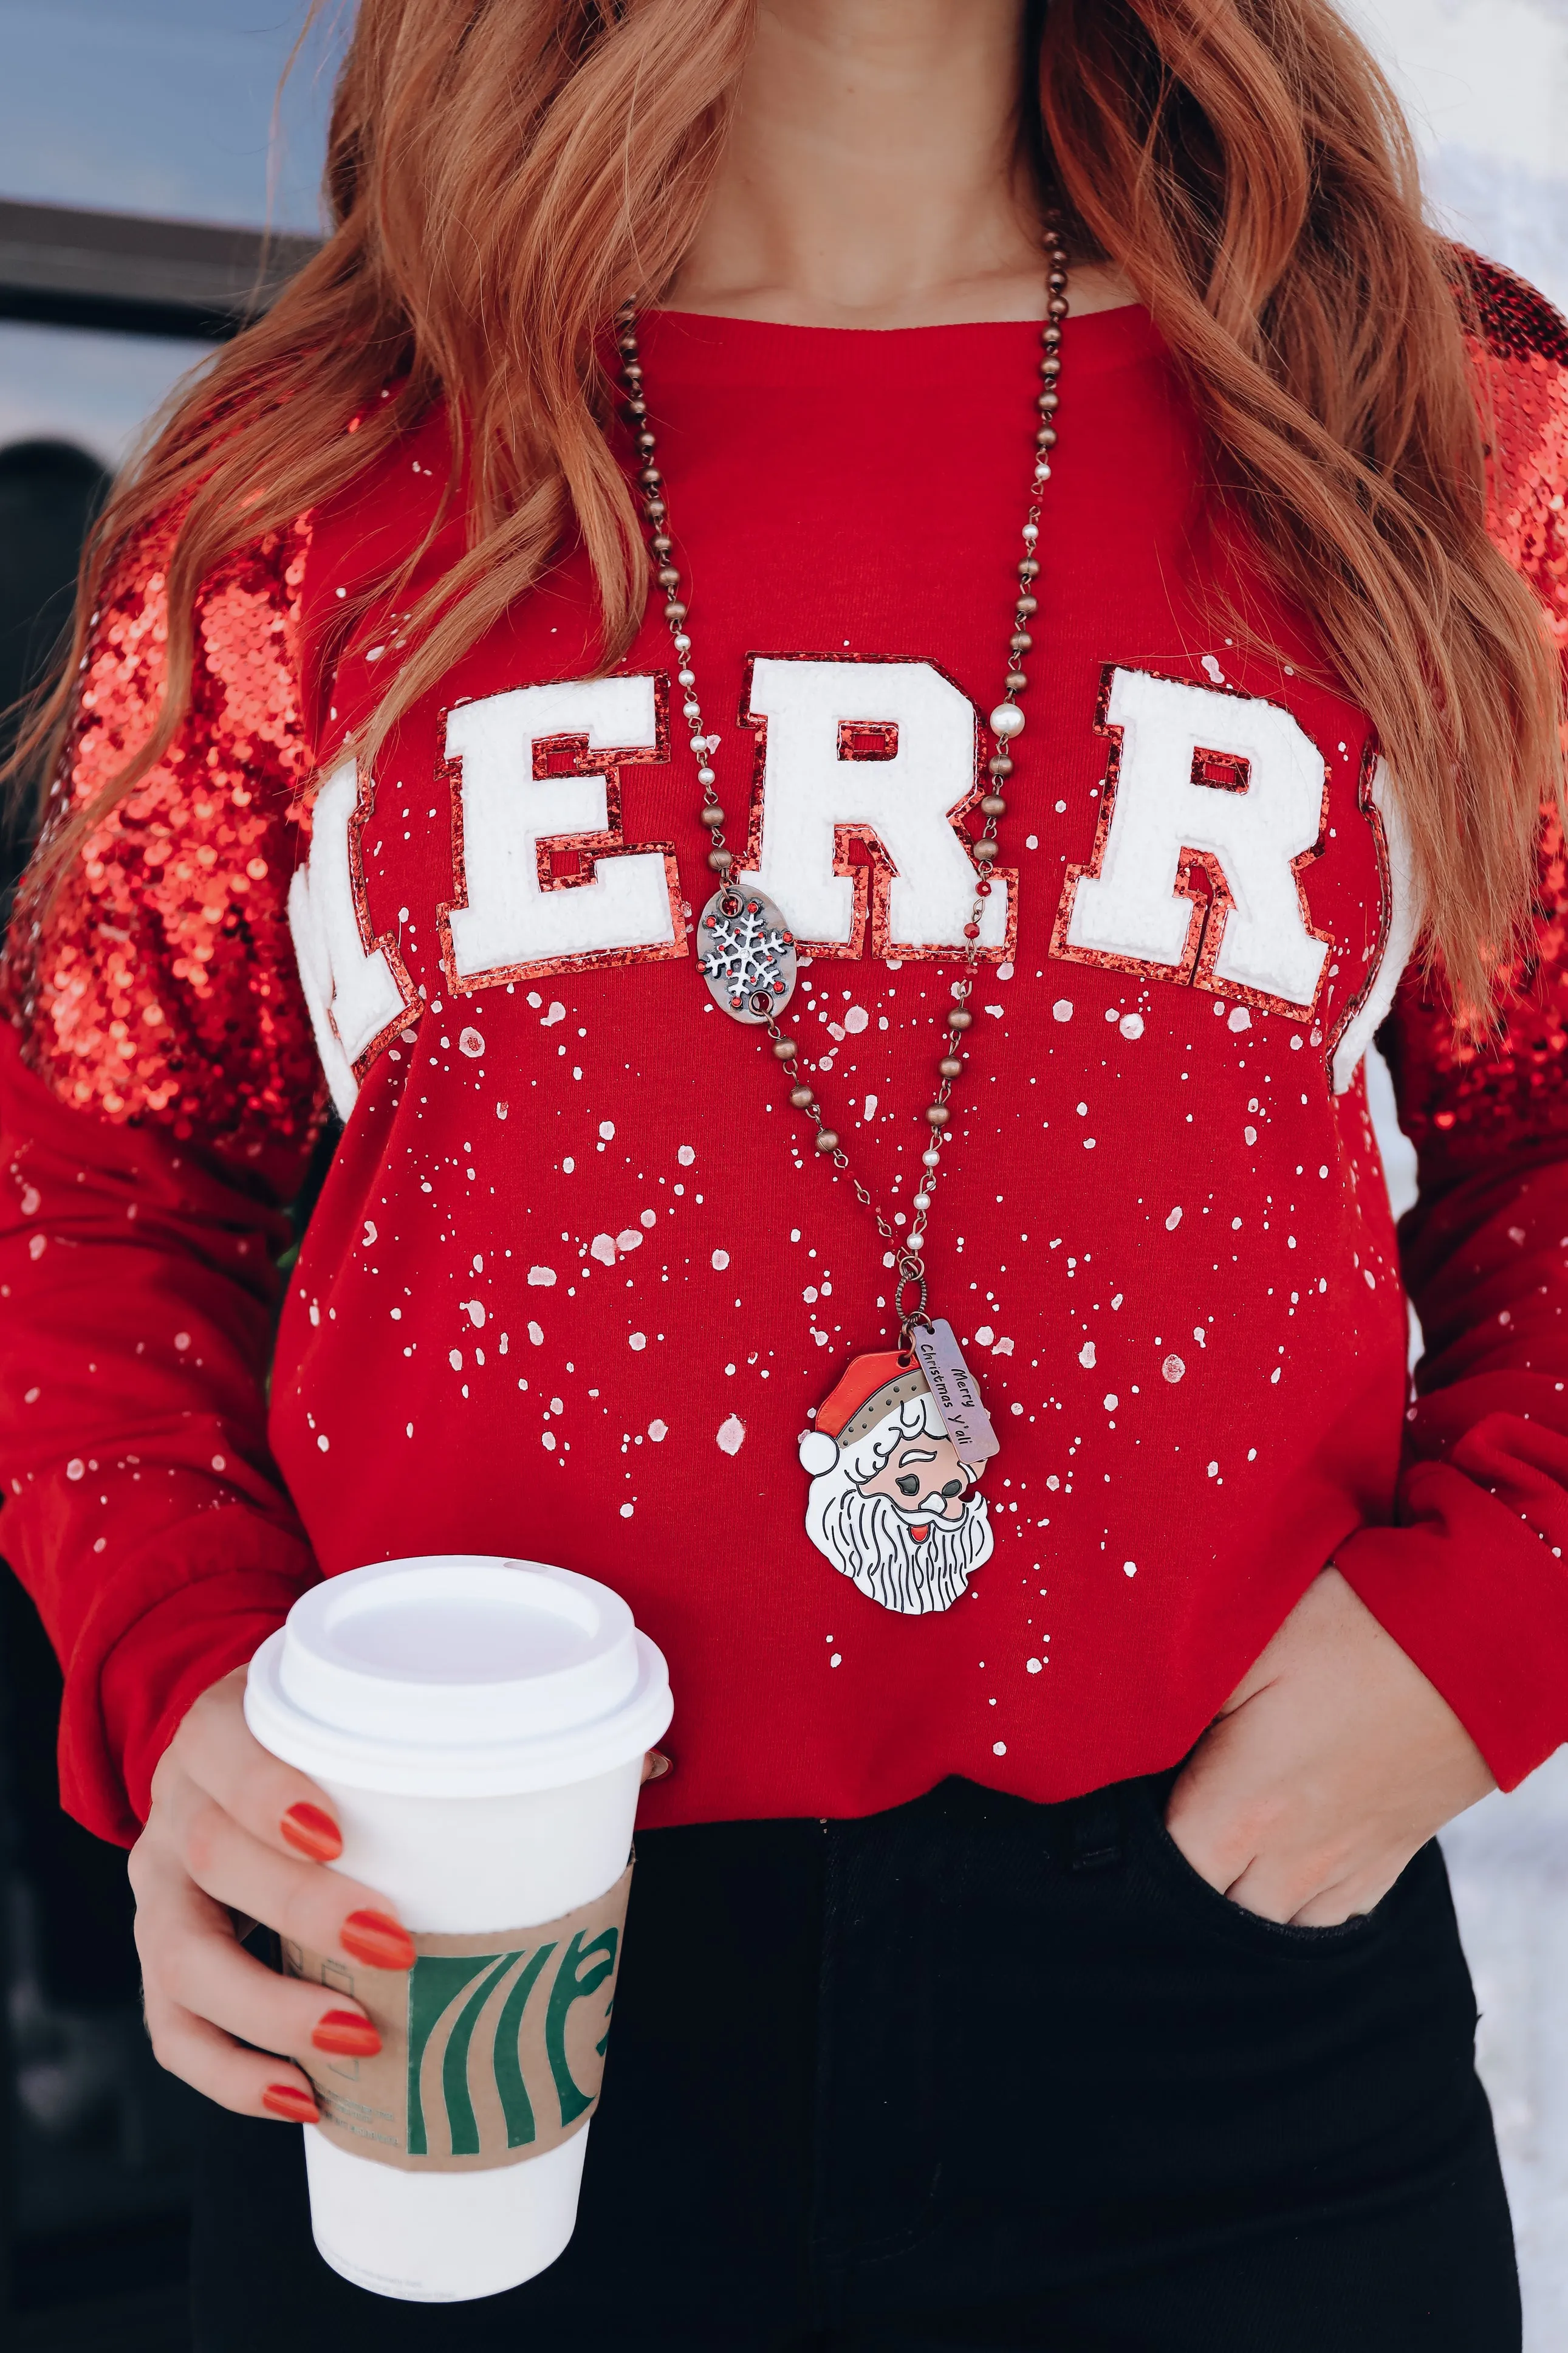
{"x": 1202, "y": 780}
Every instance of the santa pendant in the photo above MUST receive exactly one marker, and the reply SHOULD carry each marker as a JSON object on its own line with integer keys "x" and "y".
{"x": 893, "y": 1458}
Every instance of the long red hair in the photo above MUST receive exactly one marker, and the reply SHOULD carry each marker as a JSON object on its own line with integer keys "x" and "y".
{"x": 502, "y": 175}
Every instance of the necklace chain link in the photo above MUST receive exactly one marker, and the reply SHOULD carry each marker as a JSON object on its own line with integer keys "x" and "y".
{"x": 1006, "y": 724}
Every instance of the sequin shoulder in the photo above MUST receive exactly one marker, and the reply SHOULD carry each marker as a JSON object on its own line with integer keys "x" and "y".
{"x": 158, "y": 983}
{"x": 1522, "y": 368}
{"x": 1459, "y": 1098}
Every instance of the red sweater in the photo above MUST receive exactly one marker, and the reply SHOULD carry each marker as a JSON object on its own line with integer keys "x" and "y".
{"x": 576, "y": 1282}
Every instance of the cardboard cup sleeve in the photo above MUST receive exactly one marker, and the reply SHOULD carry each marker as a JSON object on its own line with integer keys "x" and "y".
{"x": 492, "y": 2047}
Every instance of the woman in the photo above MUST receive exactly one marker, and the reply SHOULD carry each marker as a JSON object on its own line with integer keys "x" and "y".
{"x": 1106, "y": 577}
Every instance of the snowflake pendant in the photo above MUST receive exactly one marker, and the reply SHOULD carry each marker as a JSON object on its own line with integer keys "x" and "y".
{"x": 746, "y": 954}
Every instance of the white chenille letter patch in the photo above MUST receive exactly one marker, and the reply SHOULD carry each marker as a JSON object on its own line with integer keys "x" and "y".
{"x": 1203, "y": 779}
{"x": 355, "y": 985}
{"x": 886, "y": 753}
{"x": 535, "y": 791}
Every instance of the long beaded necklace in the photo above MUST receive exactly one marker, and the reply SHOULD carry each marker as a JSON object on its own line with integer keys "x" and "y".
{"x": 895, "y": 1449}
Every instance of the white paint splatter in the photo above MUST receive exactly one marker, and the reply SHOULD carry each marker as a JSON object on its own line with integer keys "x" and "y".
{"x": 541, "y": 1277}
{"x": 637, "y": 1340}
{"x": 720, "y": 1261}
{"x": 659, "y": 1432}
{"x": 1132, "y": 1025}
{"x": 1173, "y": 1368}
{"x": 471, "y": 1043}
{"x": 630, "y": 1238}
{"x": 476, "y": 1313}
{"x": 1173, "y": 1220}
{"x": 603, "y": 1248}
{"x": 607, "y": 1130}
{"x": 855, "y": 1019}
{"x": 686, "y": 1155}
{"x": 1062, "y": 1009}
{"x": 1086, "y": 1355}
{"x": 536, "y": 1334}
{"x": 1239, "y": 1018}
{"x": 731, "y": 1434}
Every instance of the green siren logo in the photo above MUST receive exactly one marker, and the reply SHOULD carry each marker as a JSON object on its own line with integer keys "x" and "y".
{"x": 492, "y": 2046}
{"x": 478, "y": 2027}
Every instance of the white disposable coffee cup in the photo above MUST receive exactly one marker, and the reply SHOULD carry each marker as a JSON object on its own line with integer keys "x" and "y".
{"x": 479, "y": 1726}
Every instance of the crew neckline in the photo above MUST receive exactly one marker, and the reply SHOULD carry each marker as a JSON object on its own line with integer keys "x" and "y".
{"x": 715, "y": 343}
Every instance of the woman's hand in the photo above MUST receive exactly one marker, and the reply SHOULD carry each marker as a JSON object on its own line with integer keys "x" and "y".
{"x": 232, "y": 1831}
{"x": 1331, "y": 1763}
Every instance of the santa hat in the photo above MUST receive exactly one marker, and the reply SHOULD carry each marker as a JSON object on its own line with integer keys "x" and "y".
{"x": 871, "y": 1388}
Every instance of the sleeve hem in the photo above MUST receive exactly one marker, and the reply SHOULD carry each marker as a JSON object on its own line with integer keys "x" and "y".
{"x": 1489, "y": 1633}
{"x": 154, "y": 1674}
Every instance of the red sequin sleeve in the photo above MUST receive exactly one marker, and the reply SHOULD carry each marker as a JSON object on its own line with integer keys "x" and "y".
{"x": 1473, "y": 1580}
{"x": 158, "y": 1101}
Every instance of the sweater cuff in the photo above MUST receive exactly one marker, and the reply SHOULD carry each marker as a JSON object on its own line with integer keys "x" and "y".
{"x": 1484, "y": 1621}
{"x": 156, "y": 1673}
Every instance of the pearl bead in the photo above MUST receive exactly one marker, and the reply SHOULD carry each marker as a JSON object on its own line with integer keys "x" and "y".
{"x": 932, "y": 1159}
{"x": 686, "y": 678}
{"x": 921, "y": 1202}
{"x": 706, "y": 777}
{"x": 1006, "y": 721}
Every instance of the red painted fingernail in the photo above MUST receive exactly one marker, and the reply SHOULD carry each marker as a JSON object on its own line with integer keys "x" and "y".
{"x": 346, "y": 2033}
{"x": 380, "y": 1943}
{"x": 287, "y": 2100}
{"x": 313, "y": 1832}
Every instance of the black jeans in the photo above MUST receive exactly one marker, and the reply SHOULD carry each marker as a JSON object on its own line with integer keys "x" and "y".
{"x": 971, "y": 2074}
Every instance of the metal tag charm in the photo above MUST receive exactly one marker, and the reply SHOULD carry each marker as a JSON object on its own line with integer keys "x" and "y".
{"x": 955, "y": 1389}
{"x": 745, "y": 952}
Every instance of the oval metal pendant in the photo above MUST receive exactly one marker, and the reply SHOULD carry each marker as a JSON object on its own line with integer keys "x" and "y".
{"x": 745, "y": 952}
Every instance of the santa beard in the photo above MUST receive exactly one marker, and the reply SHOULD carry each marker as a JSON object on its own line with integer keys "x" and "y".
{"x": 868, "y": 1538}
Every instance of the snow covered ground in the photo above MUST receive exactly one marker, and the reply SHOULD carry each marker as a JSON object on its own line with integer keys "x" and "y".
{"x": 1509, "y": 1861}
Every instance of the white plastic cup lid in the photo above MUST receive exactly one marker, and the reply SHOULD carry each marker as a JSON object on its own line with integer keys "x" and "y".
{"x": 457, "y": 1673}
